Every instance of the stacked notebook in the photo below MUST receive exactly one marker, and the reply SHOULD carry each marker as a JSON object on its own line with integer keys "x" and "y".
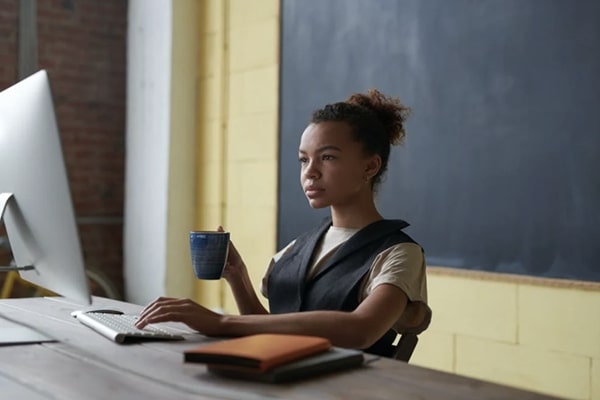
{"x": 273, "y": 357}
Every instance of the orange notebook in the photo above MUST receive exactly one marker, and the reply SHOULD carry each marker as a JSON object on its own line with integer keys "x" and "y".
{"x": 261, "y": 352}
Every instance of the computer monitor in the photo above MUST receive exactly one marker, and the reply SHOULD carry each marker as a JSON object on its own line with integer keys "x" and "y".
{"x": 35, "y": 199}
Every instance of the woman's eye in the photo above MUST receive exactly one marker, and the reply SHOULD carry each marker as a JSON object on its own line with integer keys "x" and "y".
{"x": 328, "y": 157}
{"x": 302, "y": 160}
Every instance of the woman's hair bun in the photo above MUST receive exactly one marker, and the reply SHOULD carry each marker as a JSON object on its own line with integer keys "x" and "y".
{"x": 389, "y": 110}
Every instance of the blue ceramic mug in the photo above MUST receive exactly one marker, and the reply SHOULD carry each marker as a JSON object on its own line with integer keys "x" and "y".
{"x": 209, "y": 250}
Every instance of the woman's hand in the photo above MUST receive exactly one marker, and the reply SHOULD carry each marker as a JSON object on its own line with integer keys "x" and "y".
{"x": 234, "y": 267}
{"x": 192, "y": 314}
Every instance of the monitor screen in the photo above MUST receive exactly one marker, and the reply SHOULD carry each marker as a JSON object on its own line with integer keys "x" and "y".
{"x": 35, "y": 198}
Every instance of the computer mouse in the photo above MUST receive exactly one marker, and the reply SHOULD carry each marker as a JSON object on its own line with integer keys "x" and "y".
{"x": 97, "y": 310}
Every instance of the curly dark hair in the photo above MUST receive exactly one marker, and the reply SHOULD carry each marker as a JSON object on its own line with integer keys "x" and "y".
{"x": 377, "y": 121}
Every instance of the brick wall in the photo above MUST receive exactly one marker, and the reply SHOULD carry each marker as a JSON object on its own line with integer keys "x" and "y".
{"x": 82, "y": 44}
{"x": 8, "y": 68}
{"x": 8, "y": 42}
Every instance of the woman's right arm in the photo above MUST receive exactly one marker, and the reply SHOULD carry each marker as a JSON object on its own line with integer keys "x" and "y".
{"x": 245, "y": 297}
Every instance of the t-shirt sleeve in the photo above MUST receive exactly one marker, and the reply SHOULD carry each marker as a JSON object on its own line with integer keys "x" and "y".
{"x": 402, "y": 265}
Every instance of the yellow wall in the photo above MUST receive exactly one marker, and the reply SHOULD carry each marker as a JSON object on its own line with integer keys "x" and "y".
{"x": 237, "y": 132}
{"x": 181, "y": 192}
{"x": 539, "y": 335}
{"x": 536, "y": 334}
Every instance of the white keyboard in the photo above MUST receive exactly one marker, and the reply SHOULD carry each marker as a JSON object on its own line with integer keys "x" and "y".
{"x": 121, "y": 328}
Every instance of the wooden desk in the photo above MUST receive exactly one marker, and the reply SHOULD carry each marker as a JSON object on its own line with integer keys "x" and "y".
{"x": 84, "y": 365}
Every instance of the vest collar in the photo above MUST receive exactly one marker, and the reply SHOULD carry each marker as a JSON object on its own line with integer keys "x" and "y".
{"x": 363, "y": 237}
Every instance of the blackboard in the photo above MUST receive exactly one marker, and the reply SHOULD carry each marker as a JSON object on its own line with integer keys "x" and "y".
{"x": 501, "y": 167}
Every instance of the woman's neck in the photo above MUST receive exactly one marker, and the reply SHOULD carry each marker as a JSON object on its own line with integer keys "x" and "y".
{"x": 354, "y": 217}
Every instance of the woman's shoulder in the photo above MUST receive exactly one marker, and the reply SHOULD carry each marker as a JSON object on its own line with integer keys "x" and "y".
{"x": 402, "y": 252}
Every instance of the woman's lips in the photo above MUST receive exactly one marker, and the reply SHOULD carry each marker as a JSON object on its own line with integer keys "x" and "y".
{"x": 312, "y": 192}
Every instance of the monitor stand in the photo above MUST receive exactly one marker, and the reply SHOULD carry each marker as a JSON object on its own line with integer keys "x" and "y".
{"x": 5, "y": 198}
{"x": 12, "y": 332}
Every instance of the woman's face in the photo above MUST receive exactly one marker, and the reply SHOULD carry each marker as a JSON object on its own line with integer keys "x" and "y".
{"x": 333, "y": 166}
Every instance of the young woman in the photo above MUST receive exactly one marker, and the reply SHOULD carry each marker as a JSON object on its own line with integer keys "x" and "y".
{"x": 356, "y": 279}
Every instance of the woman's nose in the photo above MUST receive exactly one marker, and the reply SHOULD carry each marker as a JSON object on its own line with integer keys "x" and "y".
{"x": 311, "y": 171}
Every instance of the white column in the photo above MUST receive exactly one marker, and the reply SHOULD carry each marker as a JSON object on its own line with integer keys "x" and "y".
{"x": 147, "y": 148}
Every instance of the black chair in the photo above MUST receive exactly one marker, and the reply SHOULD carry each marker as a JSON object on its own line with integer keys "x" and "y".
{"x": 409, "y": 339}
{"x": 406, "y": 346}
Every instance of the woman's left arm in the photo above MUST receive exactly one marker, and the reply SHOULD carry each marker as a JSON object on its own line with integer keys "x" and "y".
{"x": 356, "y": 329}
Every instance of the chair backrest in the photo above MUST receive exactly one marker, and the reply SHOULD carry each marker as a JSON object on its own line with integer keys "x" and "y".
{"x": 416, "y": 321}
{"x": 406, "y": 346}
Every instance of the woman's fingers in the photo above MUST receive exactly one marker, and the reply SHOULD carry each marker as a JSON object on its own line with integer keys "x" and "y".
{"x": 154, "y": 307}
{"x": 178, "y": 310}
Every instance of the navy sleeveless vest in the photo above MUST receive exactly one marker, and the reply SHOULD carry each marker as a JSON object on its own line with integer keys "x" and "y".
{"x": 336, "y": 286}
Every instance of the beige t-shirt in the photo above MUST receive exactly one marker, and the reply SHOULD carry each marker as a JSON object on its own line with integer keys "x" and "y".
{"x": 401, "y": 265}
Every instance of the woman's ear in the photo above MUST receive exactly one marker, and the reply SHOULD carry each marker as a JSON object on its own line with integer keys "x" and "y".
{"x": 373, "y": 165}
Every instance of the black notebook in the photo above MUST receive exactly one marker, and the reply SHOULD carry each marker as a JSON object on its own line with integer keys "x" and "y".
{"x": 335, "y": 359}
